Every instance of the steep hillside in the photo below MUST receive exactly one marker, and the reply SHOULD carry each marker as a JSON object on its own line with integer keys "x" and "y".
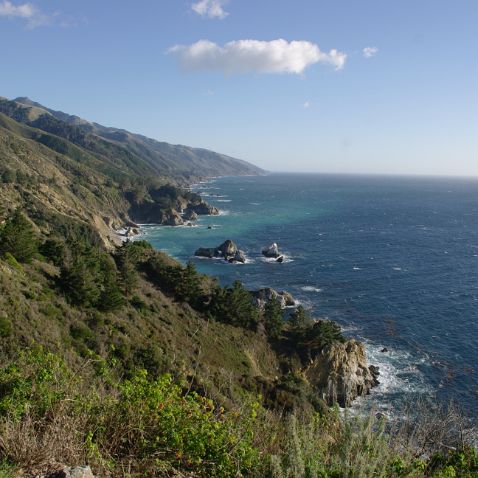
{"x": 74, "y": 176}
{"x": 143, "y": 154}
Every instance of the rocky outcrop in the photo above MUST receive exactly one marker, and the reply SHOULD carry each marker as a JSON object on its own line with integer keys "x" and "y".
{"x": 340, "y": 374}
{"x": 203, "y": 208}
{"x": 271, "y": 251}
{"x": 172, "y": 218}
{"x": 262, "y": 296}
{"x": 190, "y": 215}
{"x": 228, "y": 250}
{"x": 67, "y": 472}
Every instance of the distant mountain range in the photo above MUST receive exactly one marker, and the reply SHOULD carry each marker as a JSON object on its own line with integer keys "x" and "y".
{"x": 123, "y": 151}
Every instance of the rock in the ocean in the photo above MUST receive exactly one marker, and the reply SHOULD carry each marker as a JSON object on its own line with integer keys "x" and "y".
{"x": 190, "y": 215}
{"x": 209, "y": 252}
{"x": 271, "y": 251}
{"x": 227, "y": 250}
{"x": 262, "y": 296}
{"x": 340, "y": 373}
{"x": 203, "y": 208}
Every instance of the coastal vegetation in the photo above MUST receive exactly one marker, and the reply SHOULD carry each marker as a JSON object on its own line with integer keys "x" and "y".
{"x": 115, "y": 355}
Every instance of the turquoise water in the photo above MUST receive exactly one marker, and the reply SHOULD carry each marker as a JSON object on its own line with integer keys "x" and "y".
{"x": 394, "y": 260}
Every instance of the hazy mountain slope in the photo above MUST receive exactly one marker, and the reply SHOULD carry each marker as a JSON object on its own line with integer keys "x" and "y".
{"x": 176, "y": 161}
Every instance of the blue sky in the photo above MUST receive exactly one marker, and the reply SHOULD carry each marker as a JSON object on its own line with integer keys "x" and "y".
{"x": 212, "y": 73}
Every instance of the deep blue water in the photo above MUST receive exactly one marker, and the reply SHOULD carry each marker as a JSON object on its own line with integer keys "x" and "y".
{"x": 393, "y": 259}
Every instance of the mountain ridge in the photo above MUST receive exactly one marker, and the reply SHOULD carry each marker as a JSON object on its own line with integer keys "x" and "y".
{"x": 194, "y": 157}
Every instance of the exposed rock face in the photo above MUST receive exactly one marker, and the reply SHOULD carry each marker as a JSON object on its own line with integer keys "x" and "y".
{"x": 227, "y": 250}
{"x": 271, "y": 251}
{"x": 67, "y": 472}
{"x": 190, "y": 215}
{"x": 262, "y": 296}
{"x": 340, "y": 373}
{"x": 172, "y": 218}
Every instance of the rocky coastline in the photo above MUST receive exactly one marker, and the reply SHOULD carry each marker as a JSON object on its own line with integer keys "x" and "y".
{"x": 338, "y": 372}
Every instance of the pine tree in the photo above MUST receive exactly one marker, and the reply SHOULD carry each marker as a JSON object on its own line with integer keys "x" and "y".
{"x": 233, "y": 305}
{"x": 300, "y": 318}
{"x": 273, "y": 318}
{"x": 190, "y": 285}
{"x": 81, "y": 276}
{"x": 18, "y": 238}
{"x": 111, "y": 298}
{"x": 125, "y": 261}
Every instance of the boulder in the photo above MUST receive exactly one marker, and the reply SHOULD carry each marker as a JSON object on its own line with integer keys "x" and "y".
{"x": 262, "y": 296}
{"x": 340, "y": 373}
{"x": 271, "y": 251}
{"x": 227, "y": 250}
{"x": 76, "y": 472}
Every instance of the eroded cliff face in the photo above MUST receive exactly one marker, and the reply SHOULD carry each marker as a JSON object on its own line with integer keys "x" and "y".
{"x": 340, "y": 373}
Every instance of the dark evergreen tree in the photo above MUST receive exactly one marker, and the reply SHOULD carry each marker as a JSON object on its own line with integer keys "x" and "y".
{"x": 233, "y": 305}
{"x": 300, "y": 318}
{"x": 18, "y": 238}
{"x": 111, "y": 298}
{"x": 54, "y": 250}
{"x": 81, "y": 276}
{"x": 188, "y": 288}
{"x": 126, "y": 262}
{"x": 273, "y": 317}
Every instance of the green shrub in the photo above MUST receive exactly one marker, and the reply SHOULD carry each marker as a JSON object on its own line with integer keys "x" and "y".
{"x": 5, "y": 326}
{"x": 12, "y": 262}
{"x": 183, "y": 431}
{"x": 33, "y": 384}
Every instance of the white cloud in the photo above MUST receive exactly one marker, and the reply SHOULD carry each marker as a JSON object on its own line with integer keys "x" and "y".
{"x": 306, "y": 105}
{"x": 370, "y": 51}
{"x": 8, "y": 9}
{"x": 210, "y": 8}
{"x": 244, "y": 56}
{"x": 26, "y": 11}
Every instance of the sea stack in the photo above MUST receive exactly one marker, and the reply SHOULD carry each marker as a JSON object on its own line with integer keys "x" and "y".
{"x": 271, "y": 251}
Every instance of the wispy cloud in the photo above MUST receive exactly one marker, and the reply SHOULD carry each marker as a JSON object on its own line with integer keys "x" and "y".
{"x": 210, "y": 8}
{"x": 306, "y": 105}
{"x": 370, "y": 51}
{"x": 26, "y": 11}
{"x": 246, "y": 56}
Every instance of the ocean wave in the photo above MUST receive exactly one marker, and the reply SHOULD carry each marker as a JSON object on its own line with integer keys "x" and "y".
{"x": 310, "y": 288}
{"x": 271, "y": 260}
{"x": 223, "y": 200}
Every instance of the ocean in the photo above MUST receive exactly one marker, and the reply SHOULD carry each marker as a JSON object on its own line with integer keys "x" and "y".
{"x": 394, "y": 260}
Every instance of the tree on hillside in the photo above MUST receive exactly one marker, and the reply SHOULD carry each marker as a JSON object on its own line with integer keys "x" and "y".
{"x": 126, "y": 257}
{"x": 273, "y": 318}
{"x": 300, "y": 318}
{"x": 189, "y": 288}
{"x": 111, "y": 298}
{"x": 18, "y": 237}
{"x": 233, "y": 305}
